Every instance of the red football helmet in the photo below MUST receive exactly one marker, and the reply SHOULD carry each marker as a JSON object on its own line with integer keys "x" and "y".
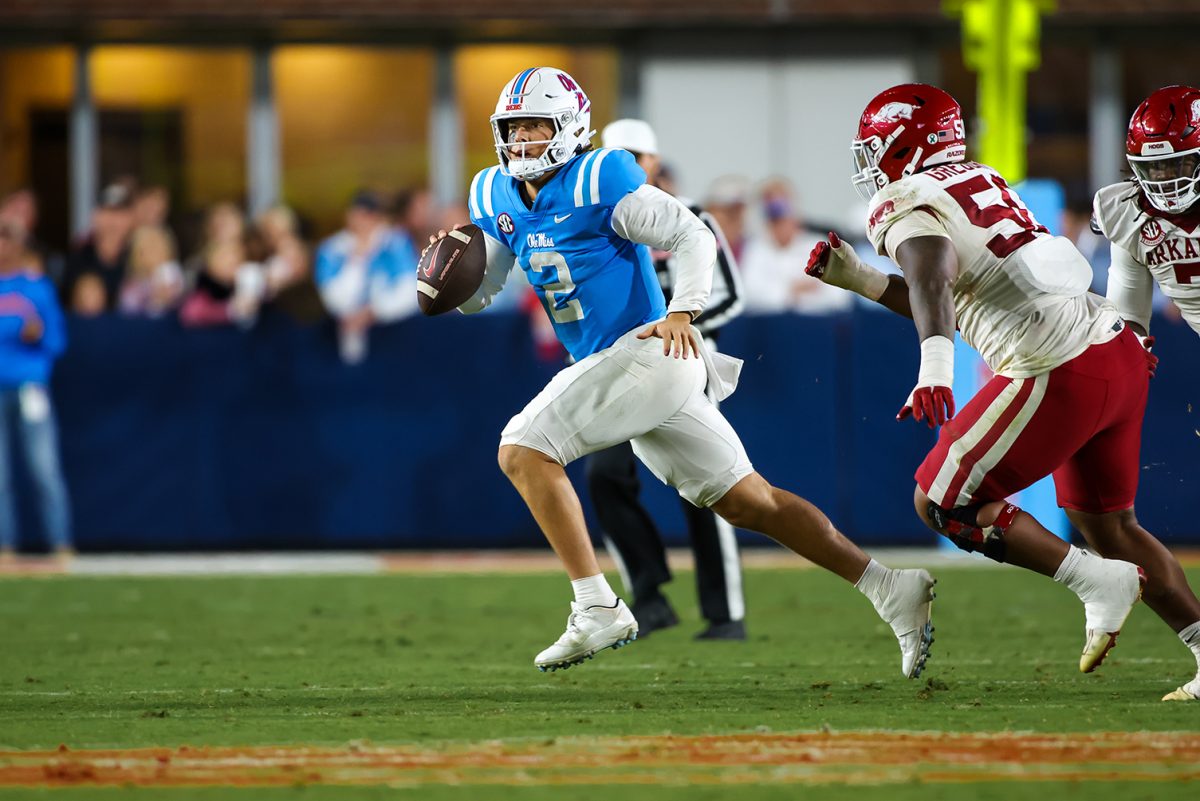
{"x": 904, "y": 130}
{"x": 1163, "y": 147}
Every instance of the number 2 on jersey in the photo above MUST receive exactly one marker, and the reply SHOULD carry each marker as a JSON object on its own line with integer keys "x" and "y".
{"x": 570, "y": 313}
{"x": 1009, "y": 208}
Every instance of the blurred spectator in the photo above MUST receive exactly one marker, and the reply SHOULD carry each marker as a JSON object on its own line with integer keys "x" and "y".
{"x": 415, "y": 215}
{"x": 151, "y": 206}
{"x": 286, "y": 259}
{"x": 32, "y": 336}
{"x": 21, "y": 208}
{"x": 88, "y": 296}
{"x": 104, "y": 252}
{"x": 773, "y": 267}
{"x": 154, "y": 283}
{"x": 665, "y": 180}
{"x": 223, "y": 225}
{"x": 366, "y": 274}
{"x": 726, "y": 202}
{"x": 228, "y": 289}
{"x": 288, "y": 283}
{"x": 452, "y": 215}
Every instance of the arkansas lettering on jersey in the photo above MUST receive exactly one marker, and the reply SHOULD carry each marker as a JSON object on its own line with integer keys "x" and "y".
{"x": 1167, "y": 245}
{"x": 1021, "y": 296}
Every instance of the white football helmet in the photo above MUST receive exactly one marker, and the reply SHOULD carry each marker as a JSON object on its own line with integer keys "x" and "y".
{"x": 551, "y": 94}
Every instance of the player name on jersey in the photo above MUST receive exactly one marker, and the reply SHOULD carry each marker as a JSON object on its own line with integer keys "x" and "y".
{"x": 1020, "y": 296}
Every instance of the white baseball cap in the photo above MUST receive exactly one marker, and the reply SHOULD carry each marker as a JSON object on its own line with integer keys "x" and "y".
{"x": 629, "y": 134}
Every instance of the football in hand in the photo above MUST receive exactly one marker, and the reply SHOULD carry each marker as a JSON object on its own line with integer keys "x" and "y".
{"x": 451, "y": 270}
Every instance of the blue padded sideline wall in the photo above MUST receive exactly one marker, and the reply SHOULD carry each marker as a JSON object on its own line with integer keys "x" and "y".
{"x": 222, "y": 439}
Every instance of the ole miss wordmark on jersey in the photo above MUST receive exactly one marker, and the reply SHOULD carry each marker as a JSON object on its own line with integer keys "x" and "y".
{"x": 594, "y": 284}
{"x": 1167, "y": 245}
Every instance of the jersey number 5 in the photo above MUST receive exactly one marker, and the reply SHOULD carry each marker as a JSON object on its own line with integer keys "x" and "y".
{"x": 572, "y": 311}
{"x": 1009, "y": 208}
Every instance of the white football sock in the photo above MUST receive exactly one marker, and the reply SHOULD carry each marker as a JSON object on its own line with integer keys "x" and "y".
{"x": 1191, "y": 638}
{"x": 593, "y": 591}
{"x": 1071, "y": 572}
{"x": 1092, "y": 579}
{"x": 875, "y": 583}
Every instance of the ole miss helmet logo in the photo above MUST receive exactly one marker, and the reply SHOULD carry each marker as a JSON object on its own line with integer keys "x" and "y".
{"x": 505, "y": 222}
{"x": 1152, "y": 233}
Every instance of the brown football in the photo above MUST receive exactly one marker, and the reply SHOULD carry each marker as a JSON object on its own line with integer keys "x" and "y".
{"x": 451, "y": 270}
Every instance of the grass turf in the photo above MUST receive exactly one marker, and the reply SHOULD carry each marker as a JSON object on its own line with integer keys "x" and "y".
{"x": 404, "y": 658}
{"x": 421, "y": 658}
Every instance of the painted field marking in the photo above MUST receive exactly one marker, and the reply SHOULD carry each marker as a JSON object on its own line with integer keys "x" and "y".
{"x": 799, "y": 758}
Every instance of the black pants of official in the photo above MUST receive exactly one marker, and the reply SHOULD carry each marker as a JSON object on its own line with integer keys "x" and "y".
{"x": 614, "y": 485}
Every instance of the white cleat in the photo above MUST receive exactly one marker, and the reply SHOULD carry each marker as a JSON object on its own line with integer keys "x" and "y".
{"x": 589, "y": 629}
{"x": 1180, "y": 694}
{"x": 908, "y": 609}
{"x": 1106, "y": 608}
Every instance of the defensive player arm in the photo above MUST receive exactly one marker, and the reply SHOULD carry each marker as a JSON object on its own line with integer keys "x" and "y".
{"x": 930, "y": 267}
{"x": 500, "y": 262}
{"x": 837, "y": 264}
{"x": 1131, "y": 289}
{"x": 651, "y": 217}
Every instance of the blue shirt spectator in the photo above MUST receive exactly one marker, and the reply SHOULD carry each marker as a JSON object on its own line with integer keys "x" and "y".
{"x": 366, "y": 273}
{"x": 32, "y": 333}
{"x": 32, "y": 336}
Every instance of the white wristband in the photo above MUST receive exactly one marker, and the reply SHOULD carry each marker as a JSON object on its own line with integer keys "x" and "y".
{"x": 937, "y": 362}
{"x": 873, "y": 283}
{"x": 848, "y": 271}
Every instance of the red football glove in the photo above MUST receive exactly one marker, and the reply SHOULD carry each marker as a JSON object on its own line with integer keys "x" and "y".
{"x": 835, "y": 263}
{"x": 1151, "y": 359}
{"x": 934, "y": 405}
{"x": 818, "y": 259}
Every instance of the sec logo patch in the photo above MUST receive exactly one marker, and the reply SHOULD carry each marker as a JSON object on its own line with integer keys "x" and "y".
{"x": 505, "y": 222}
{"x": 1152, "y": 233}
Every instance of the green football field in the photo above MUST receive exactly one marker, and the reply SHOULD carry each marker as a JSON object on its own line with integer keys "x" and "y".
{"x": 421, "y": 686}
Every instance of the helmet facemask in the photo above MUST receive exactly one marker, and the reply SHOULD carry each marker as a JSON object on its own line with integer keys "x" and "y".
{"x": 868, "y": 177}
{"x": 513, "y": 156}
{"x": 1172, "y": 182}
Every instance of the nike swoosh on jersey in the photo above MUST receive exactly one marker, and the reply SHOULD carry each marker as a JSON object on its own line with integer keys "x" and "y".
{"x": 558, "y": 219}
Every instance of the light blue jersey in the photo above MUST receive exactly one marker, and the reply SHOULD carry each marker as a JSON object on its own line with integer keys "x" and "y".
{"x": 595, "y": 285}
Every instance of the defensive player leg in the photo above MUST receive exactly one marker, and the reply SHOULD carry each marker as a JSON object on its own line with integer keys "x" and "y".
{"x": 1008, "y": 436}
{"x": 998, "y": 530}
{"x": 1097, "y": 487}
{"x": 1118, "y": 535}
{"x": 1014, "y": 432}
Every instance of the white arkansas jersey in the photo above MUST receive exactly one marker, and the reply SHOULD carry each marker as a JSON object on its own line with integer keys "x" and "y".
{"x": 1165, "y": 245}
{"x": 1021, "y": 296}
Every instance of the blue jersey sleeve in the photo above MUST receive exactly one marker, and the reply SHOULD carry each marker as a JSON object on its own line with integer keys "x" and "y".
{"x": 481, "y": 201}
{"x": 619, "y": 175}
